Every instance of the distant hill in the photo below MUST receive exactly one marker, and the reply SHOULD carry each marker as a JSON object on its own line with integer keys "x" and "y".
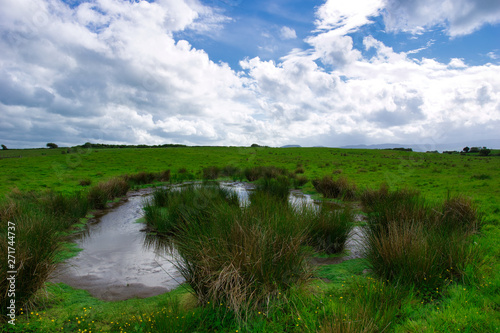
{"x": 291, "y": 146}
{"x": 423, "y": 147}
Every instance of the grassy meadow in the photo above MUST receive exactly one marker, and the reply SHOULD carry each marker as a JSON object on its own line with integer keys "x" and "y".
{"x": 432, "y": 255}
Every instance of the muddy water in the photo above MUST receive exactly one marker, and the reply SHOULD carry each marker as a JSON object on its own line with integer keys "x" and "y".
{"x": 117, "y": 263}
{"x": 114, "y": 264}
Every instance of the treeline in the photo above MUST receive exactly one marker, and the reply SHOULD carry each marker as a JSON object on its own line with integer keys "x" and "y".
{"x": 401, "y": 149}
{"x": 104, "y": 145}
{"x": 481, "y": 151}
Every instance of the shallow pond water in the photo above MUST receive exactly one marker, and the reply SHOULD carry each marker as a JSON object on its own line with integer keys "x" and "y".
{"x": 117, "y": 262}
{"x": 114, "y": 264}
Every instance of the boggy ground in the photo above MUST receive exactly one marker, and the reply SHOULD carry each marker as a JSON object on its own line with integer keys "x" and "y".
{"x": 350, "y": 301}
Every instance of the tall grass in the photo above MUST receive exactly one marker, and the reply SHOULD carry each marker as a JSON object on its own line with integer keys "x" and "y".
{"x": 243, "y": 257}
{"x": 99, "y": 194}
{"x": 329, "y": 230}
{"x": 257, "y": 172}
{"x": 147, "y": 177}
{"x": 411, "y": 241}
{"x": 41, "y": 220}
{"x": 211, "y": 172}
{"x": 339, "y": 188}
{"x": 278, "y": 188}
{"x": 239, "y": 256}
{"x": 170, "y": 207}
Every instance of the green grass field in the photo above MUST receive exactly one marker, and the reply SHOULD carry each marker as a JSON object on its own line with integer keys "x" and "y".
{"x": 341, "y": 298}
{"x": 435, "y": 175}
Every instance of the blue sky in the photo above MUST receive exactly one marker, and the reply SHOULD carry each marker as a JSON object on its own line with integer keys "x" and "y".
{"x": 237, "y": 72}
{"x": 254, "y": 30}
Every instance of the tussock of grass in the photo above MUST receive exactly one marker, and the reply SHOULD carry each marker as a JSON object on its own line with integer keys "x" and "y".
{"x": 242, "y": 257}
{"x": 329, "y": 230}
{"x": 99, "y": 194}
{"x": 169, "y": 207}
{"x": 299, "y": 181}
{"x": 211, "y": 172}
{"x": 258, "y": 172}
{"x": 278, "y": 188}
{"x": 413, "y": 242}
{"x": 339, "y": 188}
{"x": 147, "y": 177}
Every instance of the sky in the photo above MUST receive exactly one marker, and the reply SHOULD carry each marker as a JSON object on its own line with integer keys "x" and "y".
{"x": 237, "y": 72}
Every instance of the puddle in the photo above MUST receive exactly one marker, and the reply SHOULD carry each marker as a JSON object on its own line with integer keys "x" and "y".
{"x": 120, "y": 262}
{"x": 114, "y": 264}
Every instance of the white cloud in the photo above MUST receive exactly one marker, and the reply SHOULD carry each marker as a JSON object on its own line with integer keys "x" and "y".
{"x": 347, "y": 16}
{"x": 114, "y": 67}
{"x": 493, "y": 55}
{"x": 287, "y": 33}
{"x": 111, "y": 71}
{"x": 460, "y": 17}
{"x": 457, "y": 63}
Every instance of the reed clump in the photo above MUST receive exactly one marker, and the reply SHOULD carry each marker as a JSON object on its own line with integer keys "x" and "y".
{"x": 144, "y": 177}
{"x": 278, "y": 188}
{"x": 37, "y": 220}
{"x": 412, "y": 241}
{"x": 335, "y": 188}
{"x": 211, "y": 172}
{"x": 329, "y": 230}
{"x": 170, "y": 206}
{"x": 99, "y": 194}
{"x": 258, "y": 172}
{"x": 243, "y": 257}
{"x": 239, "y": 256}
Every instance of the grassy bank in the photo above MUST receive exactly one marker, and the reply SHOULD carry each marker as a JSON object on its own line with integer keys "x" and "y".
{"x": 355, "y": 296}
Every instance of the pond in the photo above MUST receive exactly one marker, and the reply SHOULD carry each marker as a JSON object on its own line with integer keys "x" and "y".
{"x": 117, "y": 264}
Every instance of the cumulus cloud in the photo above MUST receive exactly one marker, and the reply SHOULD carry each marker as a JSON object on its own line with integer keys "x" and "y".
{"x": 115, "y": 67}
{"x": 459, "y": 17}
{"x": 347, "y": 16}
{"x": 112, "y": 71}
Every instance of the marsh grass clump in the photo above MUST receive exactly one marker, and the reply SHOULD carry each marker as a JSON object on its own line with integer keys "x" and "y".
{"x": 243, "y": 257}
{"x": 238, "y": 256}
{"x": 299, "y": 181}
{"x": 36, "y": 243}
{"x": 300, "y": 170}
{"x": 38, "y": 221}
{"x": 460, "y": 214}
{"x": 170, "y": 207}
{"x": 140, "y": 178}
{"x": 85, "y": 182}
{"x": 411, "y": 241}
{"x": 480, "y": 176}
{"x": 143, "y": 177}
{"x": 211, "y": 172}
{"x": 329, "y": 230}
{"x": 99, "y": 194}
{"x": 257, "y": 172}
{"x": 231, "y": 171}
{"x": 339, "y": 188}
{"x": 279, "y": 188}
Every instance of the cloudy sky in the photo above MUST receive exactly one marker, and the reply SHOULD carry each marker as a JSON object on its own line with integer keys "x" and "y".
{"x": 237, "y": 72}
